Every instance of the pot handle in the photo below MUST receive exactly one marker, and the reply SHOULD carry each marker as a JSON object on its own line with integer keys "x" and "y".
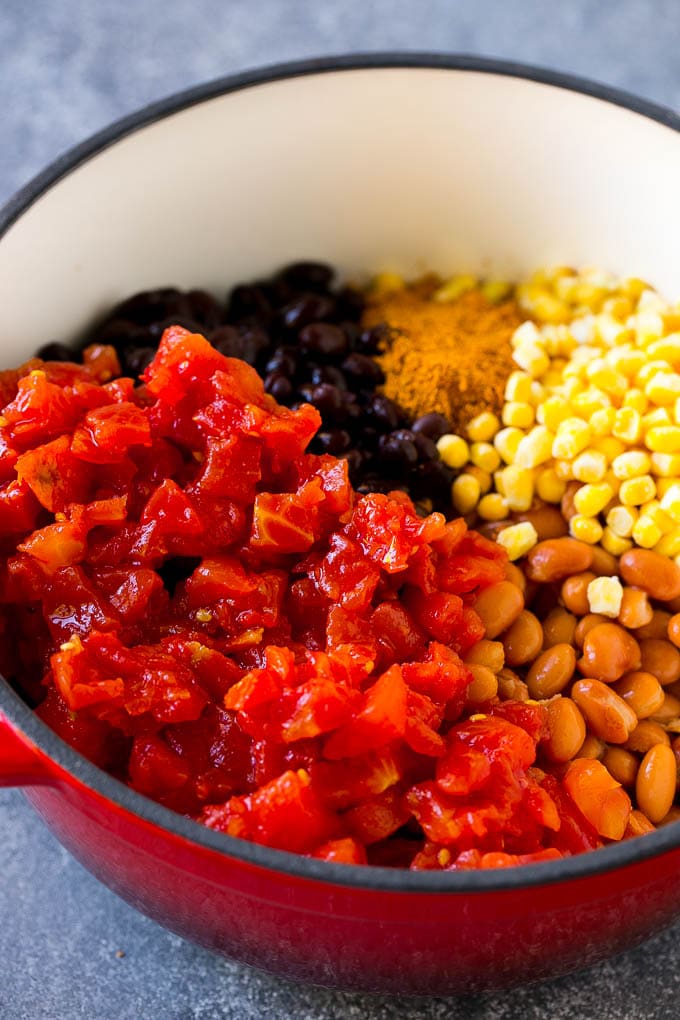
{"x": 20, "y": 763}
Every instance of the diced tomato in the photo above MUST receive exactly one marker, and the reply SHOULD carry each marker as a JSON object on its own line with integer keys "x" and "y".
{"x": 381, "y": 719}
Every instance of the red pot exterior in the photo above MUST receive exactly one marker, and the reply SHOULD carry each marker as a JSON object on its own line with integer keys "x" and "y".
{"x": 340, "y": 935}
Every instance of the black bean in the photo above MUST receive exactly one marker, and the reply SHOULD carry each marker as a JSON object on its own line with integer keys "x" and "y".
{"x": 328, "y": 401}
{"x": 153, "y": 305}
{"x": 433, "y": 479}
{"x": 240, "y": 342}
{"x": 370, "y": 340}
{"x": 323, "y": 338}
{"x": 254, "y": 341}
{"x": 134, "y": 360}
{"x": 315, "y": 276}
{"x": 283, "y": 361}
{"x": 426, "y": 447}
{"x": 56, "y": 351}
{"x": 350, "y": 303}
{"x": 120, "y": 333}
{"x": 306, "y": 391}
{"x": 383, "y": 412}
{"x": 363, "y": 369}
{"x": 377, "y": 483}
{"x": 227, "y": 340}
{"x": 155, "y": 330}
{"x": 355, "y": 461}
{"x": 398, "y": 450}
{"x": 245, "y": 300}
{"x": 432, "y": 425}
{"x": 205, "y": 309}
{"x": 279, "y": 387}
{"x": 334, "y": 441}
{"x": 305, "y": 309}
{"x": 327, "y": 374}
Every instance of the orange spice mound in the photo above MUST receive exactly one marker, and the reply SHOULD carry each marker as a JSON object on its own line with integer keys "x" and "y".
{"x": 452, "y": 357}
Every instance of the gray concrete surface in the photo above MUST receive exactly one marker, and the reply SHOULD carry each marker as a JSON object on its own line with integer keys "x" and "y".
{"x": 67, "y": 68}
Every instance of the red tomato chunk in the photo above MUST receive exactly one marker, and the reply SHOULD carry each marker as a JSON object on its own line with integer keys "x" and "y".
{"x": 215, "y": 616}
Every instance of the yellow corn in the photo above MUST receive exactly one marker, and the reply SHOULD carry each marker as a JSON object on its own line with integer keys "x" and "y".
{"x": 605, "y": 595}
{"x": 518, "y": 387}
{"x": 590, "y": 500}
{"x": 666, "y": 465}
{"x": 646, "y": 532}
{"x": 669, "y": 544}
{"x": 453, "y": 450}
{"x": 610, "y": 446}
{"x": 573, "y": 435}
{"x": 602, "y": 421}
{"x": 535, "y": 448}
{"x": 621, "y": 520}
{"x": 518, "y": 539}
{"x": 483, "y": 428}
{"x": 627, "y": 424}
{"x": 465, "y": 493}
{"x": 635, "y": 491}
{"x": 496, "y": 290}
{"x": 485, "y": 456}
{"x": 483, "y": 477}
{"x": 549, "y": 486}
{"x": 663, "y": 439}
{"x": 454, "y": 288}
{"x": 553, "y": 411}
{"x": 590, "y": 466}
{"x": 670, "y": 502}
{"x": 637, "y": 400}
{"x": 518, "y": 414}
{"x": 614, "y": 544}
{"x": 586, "y": 529}
{"x": 518, "y": 487}
{"x": 492, "y": 507}
{"x": 663, "y": 388}
{"x": 507, "y": 441}
{"x": 631, "y": 464}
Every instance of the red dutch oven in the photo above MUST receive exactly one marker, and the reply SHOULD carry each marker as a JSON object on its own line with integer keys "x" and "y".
{"x": 409, "y": 161}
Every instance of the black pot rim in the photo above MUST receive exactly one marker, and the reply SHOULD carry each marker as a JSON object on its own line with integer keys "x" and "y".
{"x": 588, "y": 865}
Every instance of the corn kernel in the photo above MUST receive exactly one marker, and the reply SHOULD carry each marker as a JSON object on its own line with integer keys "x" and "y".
{"x": 485, "y": 456}
{"x": 532, "y": 359}
{"x": 482, "y": 476}
{"x": 655, "y": 512}
{"x": 386, "y": 283}
{"x": 646, "y": 532}
{"x": 492, "y": 507}
{"x": 518, "y": 414}
{"x": 465, "y": 493}
{"x": 602, "y": 422}
{"x": 636, "y": 400}
{"x": 549, "y": 486}
{"x": 631, "y": 464}
{"x": 635, "y": 491}
{"x": 590, "y": 500}
{"x": 605, "y": 595}
{"x": 627, "y": 424}
{"x": 590, "y": 466}
{"x": 585, "y": 529}
{"x": 553, "y": 411}
{"x": 666, "y": 465}
{"x": 527, "y": 333}
{"x": 676, "y": 411}
{"x": 663, "y": 439}
{"x": 610, "y": 446}
{"x": 590, "y": 401}
{"x": 454, "y": 288}
{"x": 453, "y": 450}
{"x": 609, "y": 380}
{"x": 564, "y": 469}
{"x": 649, "y": 370}
{"x": 518, "y": 387}
{"x": 573, "y": 436}
{"x": 518, "y": 487}
{"x": 669, "y": 544}
{"x": 670, "y": 502}
{"x": 614, "y": 544}
{"x": 204, "y": 615}
{"x": 666, "y": 349}
{"x": 660, "y": 416}
{"x": 518, "y": 539}
{"x": 496, "y": 290}
{"x": 506, "y": 442}
{"x": 484, "y": 427}
{"x": 621, "y": 520}
{"x": 663, "y": 388}
{"x": 535, "y": 448}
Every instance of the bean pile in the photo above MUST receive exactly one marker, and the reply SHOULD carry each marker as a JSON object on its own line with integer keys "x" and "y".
{"x": 304, "y": 338}
{"x": 610, "y": 681}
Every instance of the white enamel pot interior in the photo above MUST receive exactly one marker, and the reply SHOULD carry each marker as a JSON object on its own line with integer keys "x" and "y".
{"x": 410, "y": 163}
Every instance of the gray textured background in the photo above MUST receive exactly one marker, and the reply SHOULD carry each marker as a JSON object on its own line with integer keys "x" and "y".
{"x": 67, "y": 68}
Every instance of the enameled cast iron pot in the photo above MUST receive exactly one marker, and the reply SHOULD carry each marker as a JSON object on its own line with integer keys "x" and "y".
{"x": 409, "y": 162}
